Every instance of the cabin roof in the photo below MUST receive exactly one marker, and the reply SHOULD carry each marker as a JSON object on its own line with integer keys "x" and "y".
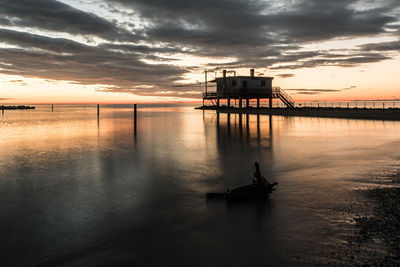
{"x": 246, "y": 77}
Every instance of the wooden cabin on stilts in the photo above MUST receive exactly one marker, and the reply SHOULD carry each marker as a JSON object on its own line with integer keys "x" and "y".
{"x": 244, "y": 89}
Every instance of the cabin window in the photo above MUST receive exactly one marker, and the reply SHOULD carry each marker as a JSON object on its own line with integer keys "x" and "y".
{"x": 262, "y": 82}
{"x": 233, "y": 82}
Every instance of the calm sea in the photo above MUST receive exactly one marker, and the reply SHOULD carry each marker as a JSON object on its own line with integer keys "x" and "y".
{"x": 80, "y": 191}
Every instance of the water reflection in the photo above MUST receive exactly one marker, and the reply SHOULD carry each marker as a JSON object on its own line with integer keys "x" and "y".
{"x": 233, "y": 128}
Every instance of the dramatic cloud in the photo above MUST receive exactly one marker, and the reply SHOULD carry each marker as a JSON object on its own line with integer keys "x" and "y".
{"x": 385, "y": 46}
{"x": 139, "y": 43}
{"x": 55, "y": 16}
{"x": 285, "y": 75}
{"x": 317, "y": 91}
{"x": 62, "y": 59}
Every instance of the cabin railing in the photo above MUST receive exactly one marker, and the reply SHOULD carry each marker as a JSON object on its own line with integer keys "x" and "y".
{"x": 277, "y": 92}
{"x": 209, "y": 95}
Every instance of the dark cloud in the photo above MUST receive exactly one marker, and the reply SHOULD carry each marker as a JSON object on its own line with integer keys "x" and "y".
{"x": 316, "y": 20}
{"x": 242, "y": 27}
{"x": 56, "y": 16}
{"x": 303, "y": 91}
{"x": 62, "y": 59}
{"x": 350, "y": 87}
{"x": 338, "y": 61}
{"x": 385, "y": 46}
{"x": 285, "y": 75}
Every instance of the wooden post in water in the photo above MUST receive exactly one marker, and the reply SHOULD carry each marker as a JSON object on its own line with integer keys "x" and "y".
{"x": 134, "y": 117}
{"x": 270, "y": 102}
{"x": 98, "y": 110}
{"x": 247, "y": 102}
{"x": 258, "y": 102}
{"x": 347, "y": 104}
{"x": 52, "y": 107}
{"x": 383, "y": 105}
{"x": 228, "y": 102}
{"x": 240, "y": 102}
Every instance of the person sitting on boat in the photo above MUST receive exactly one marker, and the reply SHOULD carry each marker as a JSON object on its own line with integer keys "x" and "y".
{"x": 258, "y": 178}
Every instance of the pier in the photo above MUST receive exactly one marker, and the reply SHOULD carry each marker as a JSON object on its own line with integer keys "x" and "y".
{"x": 346, "y": 113}
{"x": 244, "y": 90}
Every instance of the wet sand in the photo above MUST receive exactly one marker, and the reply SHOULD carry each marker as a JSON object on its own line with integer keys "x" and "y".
{"x": 392, "y": 114}
{"x": 383, "y": 223}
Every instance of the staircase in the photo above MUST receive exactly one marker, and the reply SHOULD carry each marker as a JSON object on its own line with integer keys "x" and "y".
{"x": 277, "y": 92}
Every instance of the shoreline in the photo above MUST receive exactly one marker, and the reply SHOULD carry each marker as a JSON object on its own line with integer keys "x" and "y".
{"x": 392, "y": 114}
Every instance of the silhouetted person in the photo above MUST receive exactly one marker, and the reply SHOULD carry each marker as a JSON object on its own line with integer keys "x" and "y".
{"x": 258, "y": 178}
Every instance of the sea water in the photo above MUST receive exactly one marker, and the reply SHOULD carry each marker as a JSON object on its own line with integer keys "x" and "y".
{"x": 77, "y": 189}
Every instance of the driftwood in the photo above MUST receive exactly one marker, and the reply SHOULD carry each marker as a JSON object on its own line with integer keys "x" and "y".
{"x": 259, "y": 189}
{"x": 247, "y": 192}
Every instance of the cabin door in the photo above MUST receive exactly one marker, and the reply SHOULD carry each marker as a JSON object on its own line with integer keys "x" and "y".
{"x": 245, "y": 86}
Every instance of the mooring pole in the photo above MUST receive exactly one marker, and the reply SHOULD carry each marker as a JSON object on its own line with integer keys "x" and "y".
{"x": 135, "y": 116}
{"x": 98, "y": 110}
{"x": 52, "y": 107}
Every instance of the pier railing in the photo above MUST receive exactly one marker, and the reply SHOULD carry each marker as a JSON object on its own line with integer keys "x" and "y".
{"x": 359, "y": 104}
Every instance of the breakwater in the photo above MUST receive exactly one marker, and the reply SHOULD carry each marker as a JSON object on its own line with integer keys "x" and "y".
{"x": 2, "y": 107}
{"x": 346, "y": 113}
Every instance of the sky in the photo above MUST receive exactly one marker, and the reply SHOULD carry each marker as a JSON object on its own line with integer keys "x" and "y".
{"x": 145, "y": 51}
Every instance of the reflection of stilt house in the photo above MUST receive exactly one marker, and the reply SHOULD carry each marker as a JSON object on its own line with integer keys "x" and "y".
{"x": 246, "y": 88}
